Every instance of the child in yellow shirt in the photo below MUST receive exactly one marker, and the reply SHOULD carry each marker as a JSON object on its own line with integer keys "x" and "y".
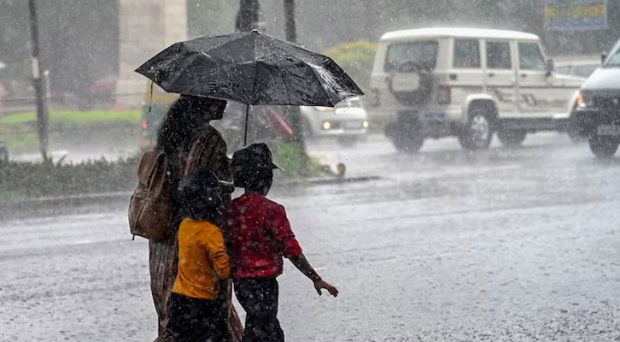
{"x": 197, "y": 310}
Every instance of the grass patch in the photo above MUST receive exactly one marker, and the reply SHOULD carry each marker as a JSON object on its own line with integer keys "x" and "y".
{"x": 294, "y": 162}
{"x": 19, "y": 130}
{"x": 74, "y": 118}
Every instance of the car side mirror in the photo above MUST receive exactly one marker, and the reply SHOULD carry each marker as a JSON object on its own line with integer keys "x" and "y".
{"x": 549, "y": 66}
{"x": 603, "y": 57}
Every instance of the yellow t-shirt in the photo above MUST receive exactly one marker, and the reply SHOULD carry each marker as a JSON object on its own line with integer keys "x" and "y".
{"x": 203, "y": 260}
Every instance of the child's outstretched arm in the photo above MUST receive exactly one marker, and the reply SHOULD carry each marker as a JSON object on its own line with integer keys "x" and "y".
{"x": 304, "y": 266}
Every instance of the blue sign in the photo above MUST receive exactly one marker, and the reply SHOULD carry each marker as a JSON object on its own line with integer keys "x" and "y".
{"x": 575, "y": 15}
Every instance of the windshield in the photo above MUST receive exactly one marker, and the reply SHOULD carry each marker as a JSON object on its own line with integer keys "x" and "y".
{"x": 422, "y": 52}
{"x": 613, "y": 61}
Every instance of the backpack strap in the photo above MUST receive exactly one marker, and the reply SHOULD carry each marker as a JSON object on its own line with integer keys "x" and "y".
{"x": 204, "y": 149}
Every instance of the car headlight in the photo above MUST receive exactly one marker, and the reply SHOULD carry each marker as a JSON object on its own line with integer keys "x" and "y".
{"x": 327, "y": 125}
{"x": 584, "y": 100}
{"x": 365, "y": 124}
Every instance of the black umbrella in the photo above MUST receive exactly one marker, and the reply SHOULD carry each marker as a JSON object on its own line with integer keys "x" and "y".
{"x": 251, "y": 68}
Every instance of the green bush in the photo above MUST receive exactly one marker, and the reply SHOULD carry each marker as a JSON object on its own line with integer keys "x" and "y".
{"x": 19, "y": 180}
{"x": 294, "y": 162}
{"x": 356, "y": 58}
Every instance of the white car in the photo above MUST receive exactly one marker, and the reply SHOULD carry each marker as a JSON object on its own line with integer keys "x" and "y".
{"x": 577, "y": 66}
{"x": 468, "y": 83}
{"x": 347, "y": 122}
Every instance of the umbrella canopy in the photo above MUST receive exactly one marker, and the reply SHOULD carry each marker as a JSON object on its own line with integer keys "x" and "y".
{"x": 251, "y": 68}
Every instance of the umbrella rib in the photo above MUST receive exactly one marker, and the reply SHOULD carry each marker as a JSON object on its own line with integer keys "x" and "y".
{"x": 256, "y": 62}
{"x": 318, "y": 78}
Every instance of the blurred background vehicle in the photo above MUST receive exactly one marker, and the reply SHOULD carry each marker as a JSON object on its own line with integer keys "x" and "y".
{"x": 347, "y": 122}
{"x": 598, "y": 107}
{"x": 469, "y": 83}
{"x": 581, "y": 66}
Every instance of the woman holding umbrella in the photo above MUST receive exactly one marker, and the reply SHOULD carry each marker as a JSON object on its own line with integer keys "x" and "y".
{"x": 191, "y": 144}
{"x": 247, "y": 67}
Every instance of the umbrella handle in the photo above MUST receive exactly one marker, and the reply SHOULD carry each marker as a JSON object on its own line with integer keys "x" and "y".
{"x": 245, "y": 134}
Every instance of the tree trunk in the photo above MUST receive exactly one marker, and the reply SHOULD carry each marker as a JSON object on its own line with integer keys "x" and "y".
{"x": 293, "y": 111}
{"x": 247, "y": 18}
{"x": 40, "y": 89}
{"x": 289, "y": 19}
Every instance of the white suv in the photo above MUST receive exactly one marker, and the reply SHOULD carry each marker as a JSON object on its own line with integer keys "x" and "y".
{"x": 467, "y": 83}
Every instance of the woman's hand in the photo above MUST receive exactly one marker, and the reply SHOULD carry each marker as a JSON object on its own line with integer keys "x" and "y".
{"x": 321, "y": 284}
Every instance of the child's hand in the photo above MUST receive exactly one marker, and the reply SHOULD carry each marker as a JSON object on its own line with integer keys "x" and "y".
{"x": 321, "y": 284}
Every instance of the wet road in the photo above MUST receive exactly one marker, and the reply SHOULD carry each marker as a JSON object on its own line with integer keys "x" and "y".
{"x": 501, "y": 245}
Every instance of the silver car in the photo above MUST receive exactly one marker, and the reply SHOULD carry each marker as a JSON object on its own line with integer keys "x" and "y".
{"x": 347, "y": 122}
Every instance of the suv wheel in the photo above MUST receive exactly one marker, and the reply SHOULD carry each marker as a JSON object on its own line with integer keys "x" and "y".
{"x": 408, "y": 143}
{"x": 603, "y": 147}
{"x": 511, "y": 137}
{"x": 573, "y": 128}
{"x": 478, "y": 131}
{"x": 406, "y": 136}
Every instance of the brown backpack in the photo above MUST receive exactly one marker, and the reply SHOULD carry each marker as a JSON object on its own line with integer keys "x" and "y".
{"x": 151, "y": 213}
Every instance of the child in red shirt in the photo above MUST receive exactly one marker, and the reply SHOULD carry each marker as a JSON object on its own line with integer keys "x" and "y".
{"x": 260, "y": 235}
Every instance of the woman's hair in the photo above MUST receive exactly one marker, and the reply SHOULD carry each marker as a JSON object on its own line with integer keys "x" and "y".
{"x": 185, "y": 115}
{"x": 183, "y": 120}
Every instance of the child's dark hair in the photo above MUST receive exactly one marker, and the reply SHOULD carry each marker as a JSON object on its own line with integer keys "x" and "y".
{"x": 253, "y": 167}
{"x": 200, "y": 195}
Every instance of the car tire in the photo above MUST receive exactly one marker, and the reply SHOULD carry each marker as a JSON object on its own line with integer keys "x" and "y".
{"x": 407, "y": 138}
{"x": 603, "y": 147}
{"x": 511, "y": 137}
{"x": 478, "y": 132}
{"x": 408, "y": 144}
{"x": 573, "y": 129}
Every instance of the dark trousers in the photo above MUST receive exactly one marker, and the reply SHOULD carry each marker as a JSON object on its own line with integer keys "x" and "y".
{"x": 193, "y": 319}
{"x": 259, "y": 299}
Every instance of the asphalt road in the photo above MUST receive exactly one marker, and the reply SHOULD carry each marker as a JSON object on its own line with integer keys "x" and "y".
{"x": 515, "y": 244}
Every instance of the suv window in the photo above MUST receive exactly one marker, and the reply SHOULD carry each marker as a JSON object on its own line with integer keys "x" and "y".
{"x": 498, "y": 55}
{"x": 421, "y": 52}
{"x": 466, "y": 53}
{"x": 530, "y": 57}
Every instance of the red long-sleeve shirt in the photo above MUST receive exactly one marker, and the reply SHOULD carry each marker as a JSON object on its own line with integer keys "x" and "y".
{"x": 260, "y": 235}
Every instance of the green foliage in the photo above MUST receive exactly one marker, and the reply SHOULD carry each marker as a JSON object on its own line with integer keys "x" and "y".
{"x": 19, "y": 130}
{"x": 294, "y": 161}
{"x": 356, "y": 58}
{"x": 76, "y": 118}
{"x": 19, "y": 180}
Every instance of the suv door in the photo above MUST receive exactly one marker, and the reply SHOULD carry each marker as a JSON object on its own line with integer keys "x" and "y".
{"x": 501, "y": 75}
{"x": 533, "y": 86}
